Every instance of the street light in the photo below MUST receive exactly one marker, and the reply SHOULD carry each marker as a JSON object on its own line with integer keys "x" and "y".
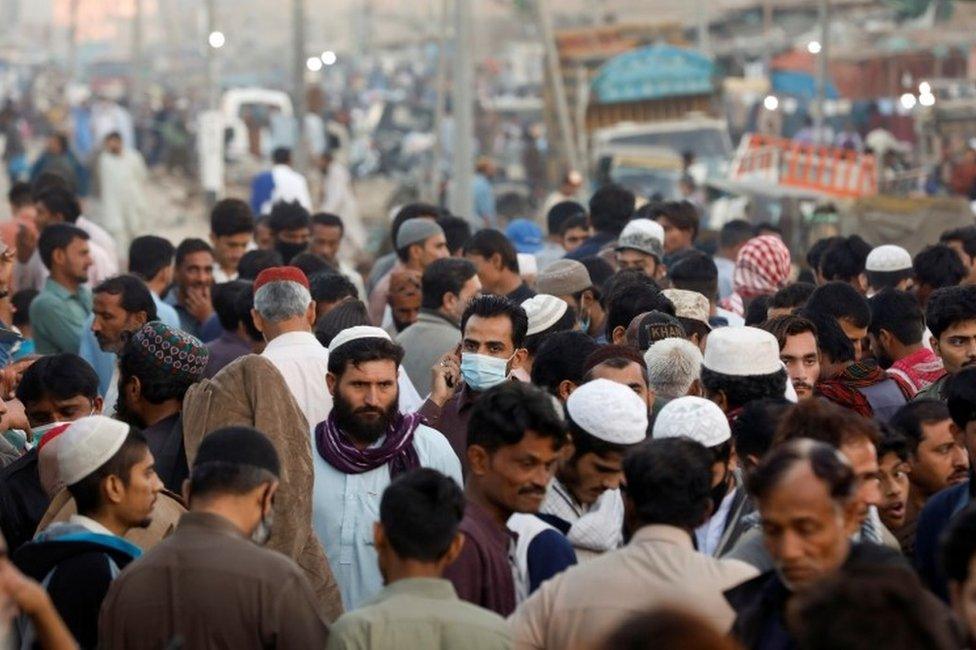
{"x": 216, "y": 39}
{"x": 314, "y": 63}
{"x": 329, "y": 57}
{"x": 926, "y": 99}
{"x": 771, "y": 102}
{"x": 908, "y": 101}
{"x": 925, "y": 88}
{"x": 814, "y": 47}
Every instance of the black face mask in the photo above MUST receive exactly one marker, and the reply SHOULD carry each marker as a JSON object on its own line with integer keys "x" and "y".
{"x": 289, "y": 250}
{"x": 719, "y": 491}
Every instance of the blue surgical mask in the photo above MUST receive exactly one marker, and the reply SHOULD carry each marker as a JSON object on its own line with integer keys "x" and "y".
{"x": 481, "y": 372}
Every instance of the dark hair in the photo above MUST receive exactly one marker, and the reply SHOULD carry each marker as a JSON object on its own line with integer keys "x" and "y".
{"x": 190, "y": 246}
{"x": 783, "y": 327}
{"x": 879, "y": 280}
{"x": 565, "y": 323}
{"x": 908, "y": 419}
{"x": 757, "y": 311}
{"x": 735, "y": 232}
{"x": 959, "y": 545}
{"x": 669, "y": 481}
{"x": 562, "y": 212}
{"x": 650, "y": 210}
{"x": 21, "y": 302}
{"x": 57, "y": 236}
{"x": 224, "y": 299}
{"x": 841, "y": 301}
{"x": 58, "y": 200}
{"x": 600, "y": 272}
{"x": 488, "y": 242}
{"x": 420, "y": 512}
{"x": 683, "y": 215}
{"x": 792, "y": 296}
{"x": 281, "y": 156}
{"x": 231, "y": 217}
{"x": 491, "y": 306}
{"x": 825, "y": 422}
{"x": 695, "y": 271}
{"x": 412, "y": 211}
{"x": 310, "y": 263}
{"x": 346, "y": 314}
{"x": 611, "y": 207}
{"x": 157, "y": 384}
{"x": 949, "y": 306}
{"x": 669, "y": 627}
{"x": 330, "y": 286}
{"x": 755, "y": 428}
{"x": 87, "y": 492}
{"x": 359, "y": 351}
{"x": 503, "y": 414}
{"x": 328, "y": 220}
{"x": 892, "y": 442}
{"x": 457, "y": 231}
{"x": 47, "y": 180}
{"x": 448, "y": 275}
{"x": 868, "y": 606}
{"x": 19, "y": 194}
{"x": 844, "y": 260}
{"x": 819, "y": 247}
{"x": 61, "y": 376}
{"x": 576, "y": 221}
{"x": 960, "y": 396}
{"x": 831, "y": 339}
{"x": 899, "y": 313}
{"x": 965, "y": 235}
{"x": 561, "y": 357}
{"x": 287, "y": 216}
{"x": 938, "y": 266}
{"x": 253, "y": 262}
{"x": 739, "y": 391}
{"x": 628, "y": 298}
{"x": 149, "y": 254}
{"x": 767, "y": 228}
{"x": 243, "y": 304}
{"x": 136, "y": 296}
{"x": 825, "y": 461}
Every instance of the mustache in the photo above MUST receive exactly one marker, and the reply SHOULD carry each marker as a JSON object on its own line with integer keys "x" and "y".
{"x": 802, "y": 384}
{"x": 541, "y": 491}
{"x": 369, "y": 409}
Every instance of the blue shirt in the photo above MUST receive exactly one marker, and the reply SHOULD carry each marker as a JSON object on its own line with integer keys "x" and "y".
{"x": 165, "y": 312}
{"x": 484, "y": 201}
{"x": 345, "y": 507}
{"x": 936, "y": 515}
{"x": 103, "y": 362}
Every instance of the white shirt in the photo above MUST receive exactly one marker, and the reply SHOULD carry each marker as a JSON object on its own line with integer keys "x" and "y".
{"x": 289, "y": 186}
{"x": 90, "y": 525}
{"x": 99, "y": 235}
{"x": 709, "y": 534}
{"x": 303, "y": 362}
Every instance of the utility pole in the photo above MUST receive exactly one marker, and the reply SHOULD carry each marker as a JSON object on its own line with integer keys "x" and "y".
{"x": 441, "y": 87}
{"x": 767, "y": 32}
{"x": 820, "y": 116}
{"x": 558, "y": 86}
{"x": 211, "y": 17}
{"x": 704, "y": 41}
{"x": 73, "y": 67}
{"x": 138, "y": 61}
{"x": 462, "y": 185}
{"x": 299, "y": 99}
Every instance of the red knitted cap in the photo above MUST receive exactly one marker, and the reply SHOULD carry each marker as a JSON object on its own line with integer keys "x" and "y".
{"x": 280, "y": 274}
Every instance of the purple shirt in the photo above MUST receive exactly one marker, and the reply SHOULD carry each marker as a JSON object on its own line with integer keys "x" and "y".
{"x": 224, "y": 349}
{"x": 483, "y": 574}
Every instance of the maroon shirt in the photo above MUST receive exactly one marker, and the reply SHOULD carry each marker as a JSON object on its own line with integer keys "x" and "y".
{"x": 483, "y": 574}
{"x": 452, "y": 421}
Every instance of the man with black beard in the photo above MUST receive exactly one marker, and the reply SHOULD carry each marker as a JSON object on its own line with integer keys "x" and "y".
{"x": 363, "y": 444}
{"x": 157, "y": 365}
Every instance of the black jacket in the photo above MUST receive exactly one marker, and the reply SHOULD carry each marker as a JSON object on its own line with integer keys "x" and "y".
{"x": 23, "y": 501}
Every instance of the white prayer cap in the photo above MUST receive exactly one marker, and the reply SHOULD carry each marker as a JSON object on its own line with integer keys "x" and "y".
{"x": 609, "y": 411}
{"x": 645, "y": 227}
{"x": 888, "y": 258}
{"x": 88, "y": 444}
{"x": 695, "y": 418}
{"x": 742, "y": 352}
{"x": 543, "y": 311}
{"x": 358, "y": 332}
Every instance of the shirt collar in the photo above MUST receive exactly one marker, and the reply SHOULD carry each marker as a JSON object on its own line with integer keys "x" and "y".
{"x": 499, "y": 535}
{"x": 197, "y": 521}
{"x": 434, "y": 316}
{"x": 61, "y": 291}
{"x": 289, "y": 339}
{"x": 662, "y": 533}
{"x": 434, "y": 588}
{"x": 90, "y": 525}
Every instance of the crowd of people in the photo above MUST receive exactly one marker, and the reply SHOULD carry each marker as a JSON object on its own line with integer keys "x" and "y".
{"x": 602, "y": 436}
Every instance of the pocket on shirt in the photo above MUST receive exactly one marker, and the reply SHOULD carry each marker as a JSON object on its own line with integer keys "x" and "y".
{"x": 369, "y": 514}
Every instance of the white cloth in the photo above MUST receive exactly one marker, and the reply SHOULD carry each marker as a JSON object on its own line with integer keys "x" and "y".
{"x": 596, "y": 528}
{"x": 733, "y": 319}
{"x": 289, "y": 186}
{"x": 303, "y": 362}
{"x": 339, "y": 199}
{"x": 221, "y": 276}
{"x": 709, "y": 534}
{"x": 90, "y": 525}
{"x": 100, "y": 236}
{"x": 526, "y": 527}
{"x": 122, "y": 188}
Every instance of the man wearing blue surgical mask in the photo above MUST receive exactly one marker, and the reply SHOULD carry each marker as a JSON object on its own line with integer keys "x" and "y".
{"x": 492, "y": 333}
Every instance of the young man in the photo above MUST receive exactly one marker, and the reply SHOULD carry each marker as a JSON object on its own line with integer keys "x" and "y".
{"x": 416, "y": 539}
{"x": 667, "y": 497}
{"x": 844, "y": 261}
{"x": 492, "y": 337}
{"x": 329, "y": 290}
{"x": 496, "y": 261}
{"x": 151, "y": 259}
{"x": 191, "y": 294}
{"x": 231, "y": 233}
{"x": 447, "y": 287}
{"x": 291, "y": 228}
{"x": 641, "y": 246}
{"x": 797, "y": 338}
{"x": 692, "y": 310}
{"x": 893, "y": 472}
{"x": 558, "y": 217}
{"x": 951, "y": 317}
{"x": 680, "y": 222}
{"x": 418, "y": 243}
{"x": 110, "y": 472}
{"x": 584, "y": 500}
{"x": 695, "y": 271}
{"x": 365, "y": 442}
{"x": 157, "y": 365}
{"x": 235, "y": 340}
{"x": 896, "y": 330}
{"x": 936, "y": 267}
{"x": 611, "y": 207}
{"x": 570, "y": 281}
{"x": 327, "y": 233}
{"x": 54, "y": 389}
{"x": 58, "y": 313}
{"x": 963, "y": 241}
{"x": 843, "y": 303}
{"x": 789, "y": 300}
{"x": 279, "y": 184}
{"x": 215, "y": 557}
{"x": 741, "y": 364}
{"x": 624, "y": 365}
{"x": 936, "y": 458}
{"x": 514, "y": 442}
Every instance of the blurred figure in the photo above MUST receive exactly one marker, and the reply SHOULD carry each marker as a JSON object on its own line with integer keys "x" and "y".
{"x": 231, "y": 233}
{"x": 328, "y": 232}
{"x": 404, "y": 299}
{"x": 568, "y": 190}
{"x": 671, "y": 629}
{"x": 279, "y": 184}
{"x": 122, "y": 176}
{"x": 485, "y": 210}
{"x": 58, "y": 160}
{"x": 339, "y": 199}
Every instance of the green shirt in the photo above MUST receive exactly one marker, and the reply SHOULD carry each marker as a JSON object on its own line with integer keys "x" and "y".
{"x": 934, "y": 391}
{"x": 419, "y": 613}
{"x": 57, "y": 317}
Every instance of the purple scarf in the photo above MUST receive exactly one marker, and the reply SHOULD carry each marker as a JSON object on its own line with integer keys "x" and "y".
{"x": 397, "y": 449}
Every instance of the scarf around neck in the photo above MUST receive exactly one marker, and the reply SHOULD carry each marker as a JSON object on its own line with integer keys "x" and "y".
{"x": 843, "y": 389}
{"x": 397, "y": 449}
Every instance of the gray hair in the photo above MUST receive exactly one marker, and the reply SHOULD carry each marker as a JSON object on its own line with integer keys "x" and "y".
{"x": 278, "y": 301}
{"x": 673, "y": 364}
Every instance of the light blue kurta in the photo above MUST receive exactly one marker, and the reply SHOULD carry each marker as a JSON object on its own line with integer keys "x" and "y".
{"x": 345, "y": 507}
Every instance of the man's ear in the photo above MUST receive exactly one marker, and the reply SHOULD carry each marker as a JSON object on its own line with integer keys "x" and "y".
{"x": 98, "y": 404}
{"x": 379, "y": 537}
{"x": 310, "y": 314}
{"x": 258, "y": 321}
{"x": 934, "y": 342}
{"x": 518, "y": 359}
{"x": 113, "y": 488}
{"x": 496, "y": 262}
{"x": 619, "y": 335}
{"x": 58, "y": 256}
{"x": 185, "y": 491}
{"x": 565, "y": 389}
{"x": 330, "y": 382}
{"x": 478, "y": 460}
{"x": 454, "y": 550}
{"x": 719, "y": 398}
{"x": 851, "y": 519}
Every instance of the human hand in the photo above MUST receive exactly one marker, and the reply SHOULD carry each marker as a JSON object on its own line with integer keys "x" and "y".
{"x": 445, "y": 378}
{"x": 198, "y": 303}
{"x": 11, "y": 375}
{"x": 17, "y": 591}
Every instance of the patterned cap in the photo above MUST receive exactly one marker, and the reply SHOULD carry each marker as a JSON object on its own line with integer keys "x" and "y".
{"x": 762, "y": 268}
{"x": 642, "y": 235}
{"x": 652, "y": 326}
{"x": 171, "y": 350}
{"x": 689, "y": 304}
